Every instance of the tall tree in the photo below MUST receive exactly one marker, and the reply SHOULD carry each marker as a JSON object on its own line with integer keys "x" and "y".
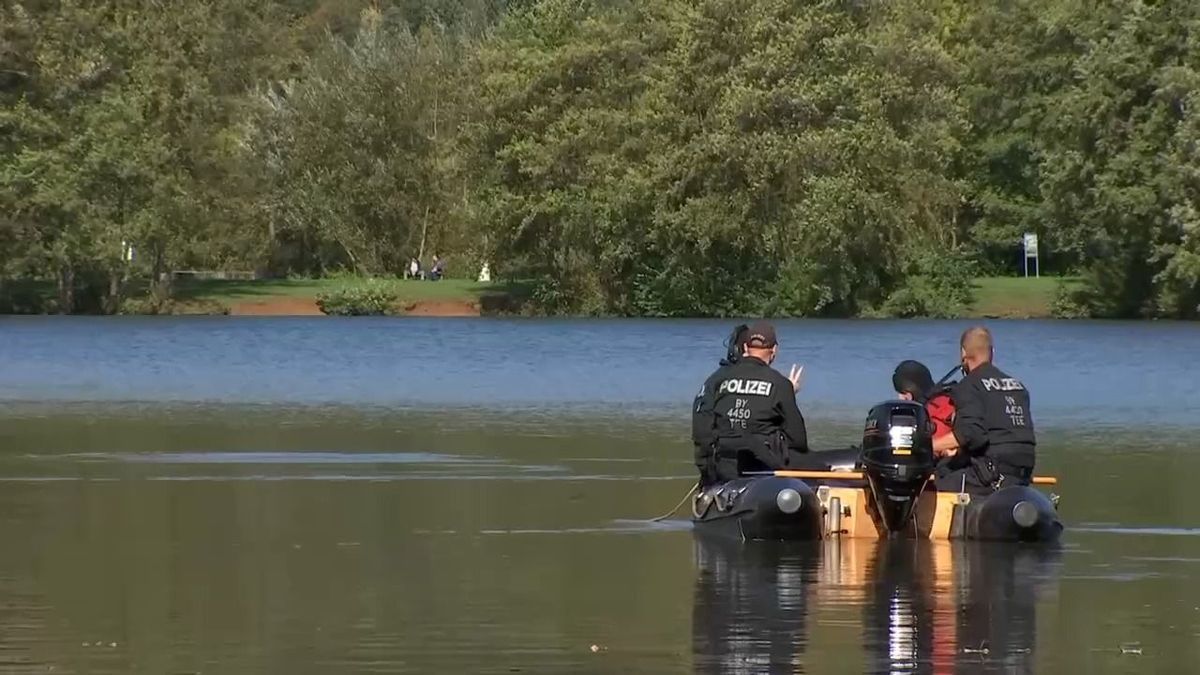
{"x": 721, "y": 157}
{"x": 355, "y": 147}
{"x": 122, "y": 134}
{"x": 1118, "y": 171}
{"x": 1016, "y": 56}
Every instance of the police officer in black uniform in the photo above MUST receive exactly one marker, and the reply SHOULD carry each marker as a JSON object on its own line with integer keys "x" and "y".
{"x": 703, "y": 429}
{"x": 993, "y": 427}
{"x": 755, "y": 422}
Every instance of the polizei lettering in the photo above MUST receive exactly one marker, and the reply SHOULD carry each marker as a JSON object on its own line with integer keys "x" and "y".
{"x": 1002, "y": 384}
{"x": 752, "y": 387}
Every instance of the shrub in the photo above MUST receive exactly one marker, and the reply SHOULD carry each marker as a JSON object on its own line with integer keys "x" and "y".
{"x": 367, "y": 300}
{"x": 938, "y": 286}
{"x": 25, "y": 298}
{"x": 151, "y": 306}
{"x": 1071, "y": 302}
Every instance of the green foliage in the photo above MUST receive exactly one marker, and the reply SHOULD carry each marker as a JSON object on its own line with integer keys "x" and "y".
{"x": 354, "y": 151}
{"x": 1119, "y": 165}
{"x": 1072, "y": 303}
{"x": 24, "y": 297}
{"x": 717, "y": 158}
{"x": 151, "y": 305}
{"x": 936, "y": 285}
{"x": 120, "y": 125}
{"x": 651, "y": 157}
{"x": 370, "y": 299}
{"x": 1016, "y": 57}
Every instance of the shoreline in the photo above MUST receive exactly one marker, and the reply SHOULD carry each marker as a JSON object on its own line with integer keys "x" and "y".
{"x": 995, "y": 298}
{"x": 307, "y": 306}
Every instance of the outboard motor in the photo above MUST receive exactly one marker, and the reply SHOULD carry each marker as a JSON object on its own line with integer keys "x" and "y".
{"x": 897, "y": 458}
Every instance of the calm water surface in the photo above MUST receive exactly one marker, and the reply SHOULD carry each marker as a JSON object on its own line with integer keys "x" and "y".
{"x": 221, "y": 495}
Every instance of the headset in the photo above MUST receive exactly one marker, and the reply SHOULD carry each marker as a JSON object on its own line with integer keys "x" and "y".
{"x": 735, "y": 343}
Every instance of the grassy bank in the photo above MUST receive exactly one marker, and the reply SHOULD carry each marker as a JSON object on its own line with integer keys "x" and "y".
{"x": 279, "y": 296}
{"x": 232, "y": 292}
{"x": 1016, "y": 297}
{"x": 995, "y": 297}
{"x": 286, "y": 296}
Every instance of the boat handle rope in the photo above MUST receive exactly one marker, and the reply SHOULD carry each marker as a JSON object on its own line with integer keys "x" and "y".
{"x": 686, "y": 497}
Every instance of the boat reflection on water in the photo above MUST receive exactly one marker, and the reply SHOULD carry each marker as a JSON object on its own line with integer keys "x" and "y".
{"x": 907, "y": 606}
{"x": 751, "y": 604}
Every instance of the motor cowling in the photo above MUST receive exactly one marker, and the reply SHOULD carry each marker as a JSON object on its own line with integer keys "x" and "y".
{"x": 897, "y": 458}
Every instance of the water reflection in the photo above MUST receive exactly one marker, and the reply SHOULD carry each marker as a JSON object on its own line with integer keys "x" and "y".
{"x": 907, "y": 606}
{"x": 751, "y": 605}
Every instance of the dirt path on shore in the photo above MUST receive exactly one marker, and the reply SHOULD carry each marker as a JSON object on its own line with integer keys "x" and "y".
{"x": 299, "y": 306}
{"x": 276, "y": 307}
{"x": 442, "y": 308}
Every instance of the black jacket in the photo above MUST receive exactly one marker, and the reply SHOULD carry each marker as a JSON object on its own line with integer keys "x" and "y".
{"x": 993, "y": 418}
{"x": 704, "y": 432}
{"x": 755, "y": 422}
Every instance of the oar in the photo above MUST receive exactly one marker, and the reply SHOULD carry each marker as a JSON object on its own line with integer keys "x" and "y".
{"x": 857, "y": 475}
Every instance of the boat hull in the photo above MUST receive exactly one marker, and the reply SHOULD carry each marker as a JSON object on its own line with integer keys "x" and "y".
{"x": 1016, "y": 513}
{"x": 751, "y": 509}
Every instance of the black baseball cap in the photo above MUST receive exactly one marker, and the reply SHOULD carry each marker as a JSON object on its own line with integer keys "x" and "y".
{"x": 761, "y": 335}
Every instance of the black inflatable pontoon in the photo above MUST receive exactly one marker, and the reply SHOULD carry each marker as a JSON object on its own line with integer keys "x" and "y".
{"x": 887, "y": 482}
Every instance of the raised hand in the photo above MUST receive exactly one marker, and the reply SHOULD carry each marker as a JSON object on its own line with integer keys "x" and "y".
{"x": 796, "y": 376}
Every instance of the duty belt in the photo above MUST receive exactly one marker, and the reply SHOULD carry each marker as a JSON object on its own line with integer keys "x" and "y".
{"x": 1001, "y": 471}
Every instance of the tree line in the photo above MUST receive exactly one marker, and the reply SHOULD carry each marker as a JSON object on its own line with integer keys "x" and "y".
{"x": 646, "y": 157}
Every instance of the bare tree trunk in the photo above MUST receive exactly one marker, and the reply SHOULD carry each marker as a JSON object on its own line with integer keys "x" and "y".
{"x": 66, "y": 289}
{"x": 272, "y": 244}
{"x": 350, "y": 254}
{"x": 116, "y": 283}
{"x": 159, "y": 290}
{"x": 424, "y": 230}
{"x": 116, "y": 277}
{"x": 425, "y": 220}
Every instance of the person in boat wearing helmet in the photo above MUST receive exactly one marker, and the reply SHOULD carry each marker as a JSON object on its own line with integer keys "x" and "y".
{"x": 913, "y": 382}
{"x": 755, "y": 422}
{"x": 703, "y": 431}
{"x": 993, "y": 443}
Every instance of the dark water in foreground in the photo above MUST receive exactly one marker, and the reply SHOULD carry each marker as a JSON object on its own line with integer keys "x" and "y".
{"x": 314, "y": 496}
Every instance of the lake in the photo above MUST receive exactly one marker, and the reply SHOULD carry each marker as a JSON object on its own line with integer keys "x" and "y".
{"x": 261, "y": 494}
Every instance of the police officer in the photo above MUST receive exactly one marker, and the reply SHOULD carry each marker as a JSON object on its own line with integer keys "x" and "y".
{"x": 993, "y": 427}
{"x": 703, "y": 428}
{"x": 757, "y": 424}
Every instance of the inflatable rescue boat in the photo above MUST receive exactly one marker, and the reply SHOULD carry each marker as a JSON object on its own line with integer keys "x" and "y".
{"x": 884, "y": 489}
